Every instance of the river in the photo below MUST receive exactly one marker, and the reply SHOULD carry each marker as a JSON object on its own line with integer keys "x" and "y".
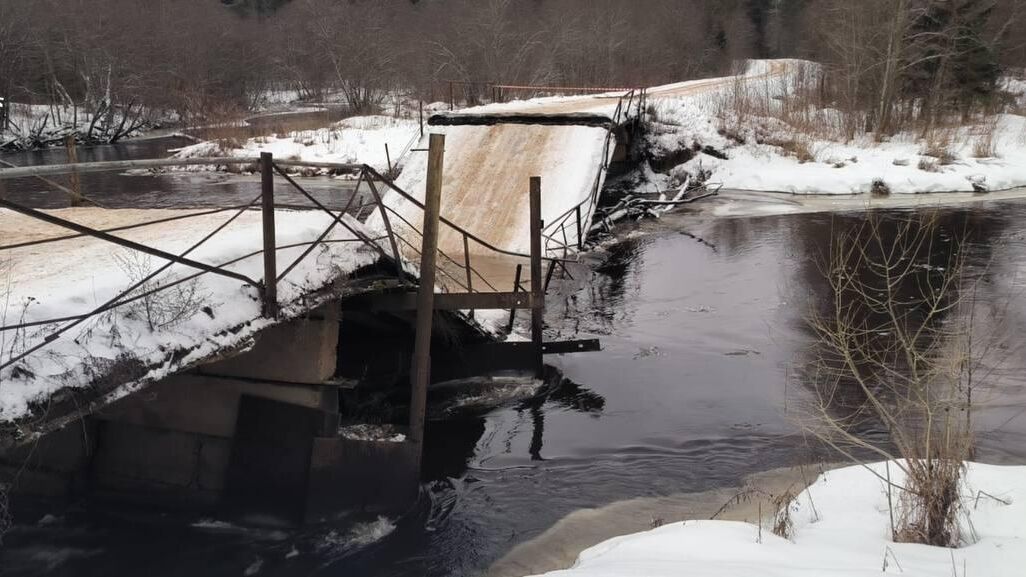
{"x": 169, "y": 190}
{"x": 701, "y": 319}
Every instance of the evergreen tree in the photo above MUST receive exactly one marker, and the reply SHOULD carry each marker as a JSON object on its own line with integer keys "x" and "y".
{"x": 950, "y": 55}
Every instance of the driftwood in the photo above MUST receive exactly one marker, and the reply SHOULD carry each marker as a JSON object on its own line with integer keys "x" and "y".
{"x": 106, "y": 125}
{"x": 639, "y": 208}
{"x": 672, "y": 203}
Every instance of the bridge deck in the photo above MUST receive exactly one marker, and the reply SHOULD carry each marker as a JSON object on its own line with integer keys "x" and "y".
{"x": 194, "y": 320}
{"x": 491, "y": 154}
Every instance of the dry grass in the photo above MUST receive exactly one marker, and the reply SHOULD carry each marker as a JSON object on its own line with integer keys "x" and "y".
{"x": 937, "y": 144}
{"x": 795, "y": 100}
{"x": 929, "y": 505}
{"x": 165, "y": 309}
{"x": 799, "y": 147}
{"x": 783, "y": 524}
{"x": 984, "y": 139}
{"x": 813, "y": 104}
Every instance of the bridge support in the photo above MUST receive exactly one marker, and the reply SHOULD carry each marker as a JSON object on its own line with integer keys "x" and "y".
{"x": 256, "y": 433}
{"x": 421, "y": 373}
{"x": 537, "y": 293}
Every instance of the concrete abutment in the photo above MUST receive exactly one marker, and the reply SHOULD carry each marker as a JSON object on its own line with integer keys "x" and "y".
{"x": 254, "y": 433}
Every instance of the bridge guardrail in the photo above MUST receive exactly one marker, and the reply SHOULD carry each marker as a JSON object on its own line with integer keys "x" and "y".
{"x": 460, "y": 274}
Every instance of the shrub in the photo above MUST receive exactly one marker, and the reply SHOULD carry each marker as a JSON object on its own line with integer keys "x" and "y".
{"x": 894, "y": 351}
{"x": 165, "y": 308}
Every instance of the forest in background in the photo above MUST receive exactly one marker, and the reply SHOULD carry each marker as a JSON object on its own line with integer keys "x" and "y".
{"x": 208, "y": 59}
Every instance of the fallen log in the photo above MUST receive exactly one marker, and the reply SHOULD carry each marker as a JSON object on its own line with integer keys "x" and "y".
{"x": 672, "y": 203}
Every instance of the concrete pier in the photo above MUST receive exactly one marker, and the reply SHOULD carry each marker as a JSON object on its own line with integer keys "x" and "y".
{"x": 254, "y": 434}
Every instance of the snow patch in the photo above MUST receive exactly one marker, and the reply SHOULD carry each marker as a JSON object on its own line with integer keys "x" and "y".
{"x": 758, "y": 159}
{"x": 841, "y": 528}
{"x": 357, "y": 140}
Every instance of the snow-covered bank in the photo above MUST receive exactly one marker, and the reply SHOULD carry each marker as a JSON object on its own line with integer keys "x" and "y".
{"x": 360, "y": 139}
{"x": 152, "y": 337}
{"x": 766, "y": 154}
{"x": 841, "y": 526}
{"x": 559, "y": 546}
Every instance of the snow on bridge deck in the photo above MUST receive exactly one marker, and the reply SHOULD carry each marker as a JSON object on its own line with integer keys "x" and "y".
{"x": 491, "y": 152}
{"x": 210, "y": 314}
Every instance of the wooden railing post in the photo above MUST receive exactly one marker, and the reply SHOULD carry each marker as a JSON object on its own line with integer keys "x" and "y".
{"x": 537, "y": 295}
{"x": 580, "y": 234}
{"x": 466, "y": 265}
{"x": 76, "y": 181}
{"x": 452, "y": 97}
{"x": 421, "y": 370}
{"x": 516, "y": 288}
{"x": 270, "y": 244}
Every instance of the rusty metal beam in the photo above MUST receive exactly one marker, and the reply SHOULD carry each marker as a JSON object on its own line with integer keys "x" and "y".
{"x": 49, "y": 218}
{"x": 407, "y": 301}
{"x": 576, "y": 346}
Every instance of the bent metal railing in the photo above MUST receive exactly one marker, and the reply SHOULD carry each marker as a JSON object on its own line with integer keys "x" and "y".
{"x": 460, "y": 274}
{"x": 578, "y": 218}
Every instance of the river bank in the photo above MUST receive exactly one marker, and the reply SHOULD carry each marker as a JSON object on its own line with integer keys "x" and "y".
{"x": 838, "y": 525}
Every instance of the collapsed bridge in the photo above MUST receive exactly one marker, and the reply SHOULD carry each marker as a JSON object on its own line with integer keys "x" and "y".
{"x": 253, "y": 383}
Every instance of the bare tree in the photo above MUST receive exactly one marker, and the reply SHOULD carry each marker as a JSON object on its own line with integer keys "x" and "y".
{"x": 895, "y": 351}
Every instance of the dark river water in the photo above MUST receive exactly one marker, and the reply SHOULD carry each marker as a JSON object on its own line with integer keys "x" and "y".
{"x": 700, "y": 318}
{"x": 175, "y": 190}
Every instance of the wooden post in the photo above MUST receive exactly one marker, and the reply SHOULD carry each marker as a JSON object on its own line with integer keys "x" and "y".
{"x": 270, "y": 244}
{"x": 388, "y": 159}
{"x": 580, "y": 234}
{"x": 466, "y": 264}
{"x": 421, "y": 370}
{"x": 548, "y": 275}
{"x": 538, "y": 296}
{"x": 396, "y": 255}
{"x": 452, "y": 97}
{"x": 516, "y": 288}
{"x": 76, "y": 183}
{"x": 422, "y": 119}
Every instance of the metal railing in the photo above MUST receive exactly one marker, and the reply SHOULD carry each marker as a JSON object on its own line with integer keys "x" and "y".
{"x": 476, "y": 91}
{"x": 579, "y": 216}
{"x": 392, "y": 246}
